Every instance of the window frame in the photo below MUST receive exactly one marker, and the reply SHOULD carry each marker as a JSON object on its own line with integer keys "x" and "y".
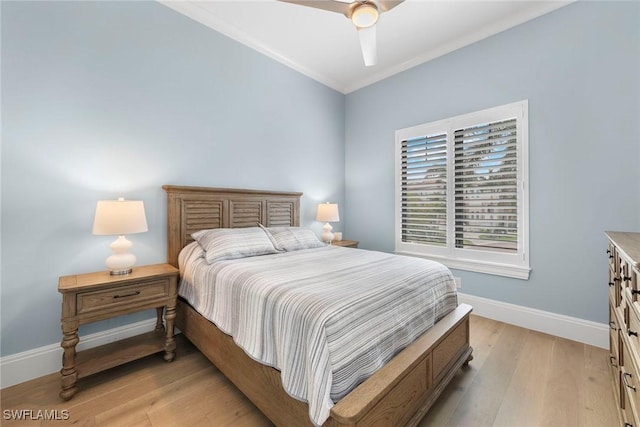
{"x": 514, "y": 265}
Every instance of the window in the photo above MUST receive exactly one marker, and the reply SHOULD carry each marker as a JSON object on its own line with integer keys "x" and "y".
{"x": 462, "y": 191}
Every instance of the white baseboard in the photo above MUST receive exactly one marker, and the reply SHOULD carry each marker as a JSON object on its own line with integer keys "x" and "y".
{"x": 35, "y": 363}
{"x": 30, "y": 364}
{"x": 584, "y": 331}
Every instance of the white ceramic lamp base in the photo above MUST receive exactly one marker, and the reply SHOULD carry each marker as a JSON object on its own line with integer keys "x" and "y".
{"x": 121, "y": 261}
{"x": 327, "y": 235}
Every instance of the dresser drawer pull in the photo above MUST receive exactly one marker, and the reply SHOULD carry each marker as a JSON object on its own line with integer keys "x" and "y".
{"x": 611, "y": 284}
{"x": 630, "y": 332}
{"x": 624, "y": 379}
{"x": 612, "y": 361}
{"x": 628, "y": 425}
{"x": 626, "y": 278}
{"x": 612, "y": 325}
{"x": 127, "y": 295}
{"x": 635, "y": 291}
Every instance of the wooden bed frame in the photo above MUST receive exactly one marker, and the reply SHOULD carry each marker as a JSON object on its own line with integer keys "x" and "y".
{"x": 399, "y": 394}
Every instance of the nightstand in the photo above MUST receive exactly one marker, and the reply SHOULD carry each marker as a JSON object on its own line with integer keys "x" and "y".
{"x": 97, "y": 296}
{"x": 346, "y": 243}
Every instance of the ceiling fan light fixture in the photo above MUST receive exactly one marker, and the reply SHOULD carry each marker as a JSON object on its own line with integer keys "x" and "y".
{"x": 365, "y": 15}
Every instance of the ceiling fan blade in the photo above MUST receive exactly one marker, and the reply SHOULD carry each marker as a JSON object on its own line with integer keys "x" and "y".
{"x": 330, "y": 5}
{"x": 368, "y": 45}
{"x": 387, "y": 5}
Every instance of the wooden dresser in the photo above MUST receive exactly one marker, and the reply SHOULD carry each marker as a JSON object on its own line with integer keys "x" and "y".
{"x": 624, "y": 321}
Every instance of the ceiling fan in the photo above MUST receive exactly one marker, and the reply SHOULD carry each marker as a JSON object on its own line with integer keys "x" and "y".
{"x": 364, "y": 15}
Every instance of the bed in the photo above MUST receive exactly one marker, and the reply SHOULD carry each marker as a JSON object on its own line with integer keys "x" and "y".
{"x": 400, "y": 393}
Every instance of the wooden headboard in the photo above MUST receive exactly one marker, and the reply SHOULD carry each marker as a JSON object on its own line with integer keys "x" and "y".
{"x": 190, "y": 209}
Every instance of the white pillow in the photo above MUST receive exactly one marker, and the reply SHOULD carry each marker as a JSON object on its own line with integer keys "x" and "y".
{"x": 232, "y": 243}
{"x": 293, "y": 238}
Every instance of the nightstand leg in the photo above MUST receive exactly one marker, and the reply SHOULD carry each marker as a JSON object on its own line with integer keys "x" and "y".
{"x": 69, "y": 373}
{"x": 159, "y": 322}
{"x": 169, "y": 344}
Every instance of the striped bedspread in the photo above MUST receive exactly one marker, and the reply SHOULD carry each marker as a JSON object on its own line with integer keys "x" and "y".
{"x": 327, "y": 318}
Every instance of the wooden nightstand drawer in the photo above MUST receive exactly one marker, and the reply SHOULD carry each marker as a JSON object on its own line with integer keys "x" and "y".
{"x": 123, "y": 295}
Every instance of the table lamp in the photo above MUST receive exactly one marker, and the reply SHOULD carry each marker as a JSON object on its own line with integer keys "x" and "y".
{"x": 117, "y": 218}
{"x": 327, "y": 212}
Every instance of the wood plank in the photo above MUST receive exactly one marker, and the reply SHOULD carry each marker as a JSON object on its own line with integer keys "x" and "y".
{"x": 192, "y": 394}
{"x": 482, "y": 401}
{"x": 562, "y": 394}
{"x": 524, "y": 397}
{"x": 598, "y": 404}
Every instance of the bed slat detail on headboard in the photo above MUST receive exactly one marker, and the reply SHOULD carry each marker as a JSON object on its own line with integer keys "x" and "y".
{"x": 190, "y": 209}
{"x": 280, "y": 213}
{"x": 246, "y": 214}
{"x": 201, "y": 215}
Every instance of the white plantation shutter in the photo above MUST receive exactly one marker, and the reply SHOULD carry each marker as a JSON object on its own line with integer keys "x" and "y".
{"x": 462, "y": 193}
{"x": 424, "y": 190}
{"x": 486, "y": 187}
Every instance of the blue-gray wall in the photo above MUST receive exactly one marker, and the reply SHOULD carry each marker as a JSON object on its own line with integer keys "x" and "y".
{"x": 108, "y": 99}
{"x": 579, "y": 67}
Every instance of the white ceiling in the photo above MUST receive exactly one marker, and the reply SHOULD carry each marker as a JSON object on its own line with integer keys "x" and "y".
{"x": 324, "y": 45}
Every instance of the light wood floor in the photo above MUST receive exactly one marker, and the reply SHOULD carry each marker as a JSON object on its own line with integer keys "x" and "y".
{"x": 517, "y": 378}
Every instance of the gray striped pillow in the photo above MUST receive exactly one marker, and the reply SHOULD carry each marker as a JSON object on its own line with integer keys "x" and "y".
{"x": 232, "y": 243}
{"x": 292, "y": 238}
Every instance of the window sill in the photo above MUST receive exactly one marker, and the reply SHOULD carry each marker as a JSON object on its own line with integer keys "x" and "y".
{"x": 506, "y": 270}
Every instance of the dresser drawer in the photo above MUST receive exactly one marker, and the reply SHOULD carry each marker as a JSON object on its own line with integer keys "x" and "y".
{"x": 625, "y": 273}
{"x": 627, "y": 412}
{"x": 632, "y": 283}
{"x": 611, "y": 254}
{"x": 614, "y": 336}
{"x": 632, "y": 327}
{"x": 614, "y": 288}
{"x": 630, "y": 384}
{"x": 123, "y": 295}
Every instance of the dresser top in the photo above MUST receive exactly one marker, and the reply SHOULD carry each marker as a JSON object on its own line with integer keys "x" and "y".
{"x": 628, "y": 244}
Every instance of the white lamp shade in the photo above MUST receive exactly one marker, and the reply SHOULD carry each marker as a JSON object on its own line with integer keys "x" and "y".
{"x": 119, "y": 217}
{"x": 328, "y": 212}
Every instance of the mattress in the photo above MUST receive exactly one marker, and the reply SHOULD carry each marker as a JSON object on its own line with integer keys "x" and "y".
{"x": 326, "y": 318}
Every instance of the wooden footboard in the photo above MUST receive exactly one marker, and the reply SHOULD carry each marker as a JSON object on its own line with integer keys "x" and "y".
{"x": 398, "y": 394}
